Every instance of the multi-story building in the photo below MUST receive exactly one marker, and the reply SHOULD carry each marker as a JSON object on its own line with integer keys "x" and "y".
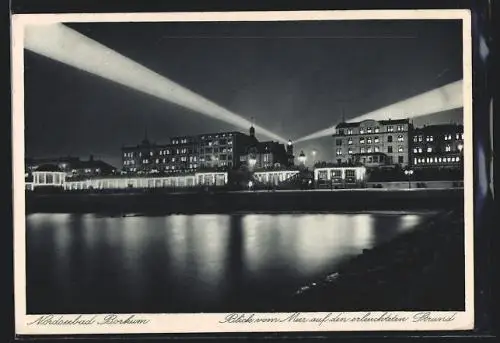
{"x": 373, "y": 143}
{"x": 188, "y": 153}
{"x": 437, "y": 146}
{"x": 223, "y": 150}
{"x": 266, "y": 155}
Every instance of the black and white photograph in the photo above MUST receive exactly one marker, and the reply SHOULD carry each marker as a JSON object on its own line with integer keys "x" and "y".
{"x": 288, "y": 169}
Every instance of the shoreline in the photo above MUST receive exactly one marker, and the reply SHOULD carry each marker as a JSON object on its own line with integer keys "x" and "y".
{"x": 407, "y": 273}
{"x": 255, "y": 202}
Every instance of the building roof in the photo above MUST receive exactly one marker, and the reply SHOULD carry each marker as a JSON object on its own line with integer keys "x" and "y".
{"x": 381, "y": 122}
{"x": 48, "y": 168}
{"x": 92, "y": 164}
{"x": 346, "y": 125}
{"x": 440, "y": 127}
{"x": 394, "y": 121}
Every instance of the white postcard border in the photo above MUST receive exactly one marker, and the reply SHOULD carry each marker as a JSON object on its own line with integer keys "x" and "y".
{"x": 241, "y": 322}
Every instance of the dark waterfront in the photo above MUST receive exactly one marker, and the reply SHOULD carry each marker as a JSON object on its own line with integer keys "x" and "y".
{"x": 86, "y": 263}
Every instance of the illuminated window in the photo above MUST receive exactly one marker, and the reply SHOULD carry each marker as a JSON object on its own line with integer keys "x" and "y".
{"x": 369, "y": 140}
{"x": 440, "y": 159}
{"x": 376, "y": 140}
{"x": 458, "y": 159}
{"x": 369, "y": 130}
{"x": 420, "y": 138}
{"x": 339, "y": 152}
{"x": 415, "y": 160}
{"x": 349, "y": 151}
{"x": 400, "y": 138}
{"x": 377, "y": 149}
{"x": 400, "y": 148}
{"x": 377, "y": 129}
{"x": 362, "y": 150}
{"x": 157, "y": 161}
{"x": 400, "y": 127}
{"x": 457, "y": 136}
{"x": 349, "y": 131}
{"x": 173, "y": 159}
{"x": 420, "y": 150}
{"x": 362, "y": 140}
{"x": 415, "y": 150}
{"x": 415, "y": 139}
{"x": 429, "y": 149}
{"x": 447, "y": 137}
{"x": 150, "y": 153}
{"x": 461, "y": 136}
{"x": 369, "y": 150}
{"x": 349, "y": 141}
{"x": 361, "y": 131}
{"x": 448, "y": 147}
{"x": 390, "y": 128}
{"x": 429, "y": 139}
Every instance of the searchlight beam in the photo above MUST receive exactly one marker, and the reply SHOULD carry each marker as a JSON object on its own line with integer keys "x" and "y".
{"x": 61, "y": 43}
{"x": 441, "y": 99}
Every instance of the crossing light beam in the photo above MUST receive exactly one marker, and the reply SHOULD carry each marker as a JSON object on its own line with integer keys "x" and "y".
{"x": 65, "y": 45}
{"x": 441, "y": 99}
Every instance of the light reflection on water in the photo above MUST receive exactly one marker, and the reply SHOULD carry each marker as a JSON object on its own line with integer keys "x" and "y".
{"x": 189, "y": 263}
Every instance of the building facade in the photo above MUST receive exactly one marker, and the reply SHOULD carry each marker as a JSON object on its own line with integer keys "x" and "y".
{"x": 266, "y": 155}
{"x": 188, "y": 154}
{"x": 439, "y": 146}
{"x": 373, "y": 143}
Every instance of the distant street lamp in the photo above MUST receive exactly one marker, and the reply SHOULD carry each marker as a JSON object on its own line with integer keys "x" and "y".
{"x": 252, "y": 161}
{"x": 250, "y": 184}
{"x": 302, "y": 158}
{"x": 409, "y": 173}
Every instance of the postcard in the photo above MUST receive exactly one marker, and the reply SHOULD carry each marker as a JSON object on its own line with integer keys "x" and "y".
{"x": 210, "y": 172}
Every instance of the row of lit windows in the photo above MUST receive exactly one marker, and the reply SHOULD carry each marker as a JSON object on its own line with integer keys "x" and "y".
{"x": 173, "y": 159}
{"x": 370, "y": 149}
{"x": 447, "y": 137}
{"x": 436, "y": 160}
{"x": 429, "y": 149}
{"x": 421, "y": 138}
{"x": 370, "y": 140}
{"x": 180, "y": 141}
{"x": 223, "y": 150}
{"x": 213, "y": 143}
{"x": 217, "y": 136}
{"x": 457, "y": 136}
{"x": 363, "y": 130}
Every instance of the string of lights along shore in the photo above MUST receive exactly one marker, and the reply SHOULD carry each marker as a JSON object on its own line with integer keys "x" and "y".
{"x": 61, "y": 43}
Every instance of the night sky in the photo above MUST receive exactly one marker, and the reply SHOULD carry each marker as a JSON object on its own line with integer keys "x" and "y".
{"x": 293, "y": 78}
